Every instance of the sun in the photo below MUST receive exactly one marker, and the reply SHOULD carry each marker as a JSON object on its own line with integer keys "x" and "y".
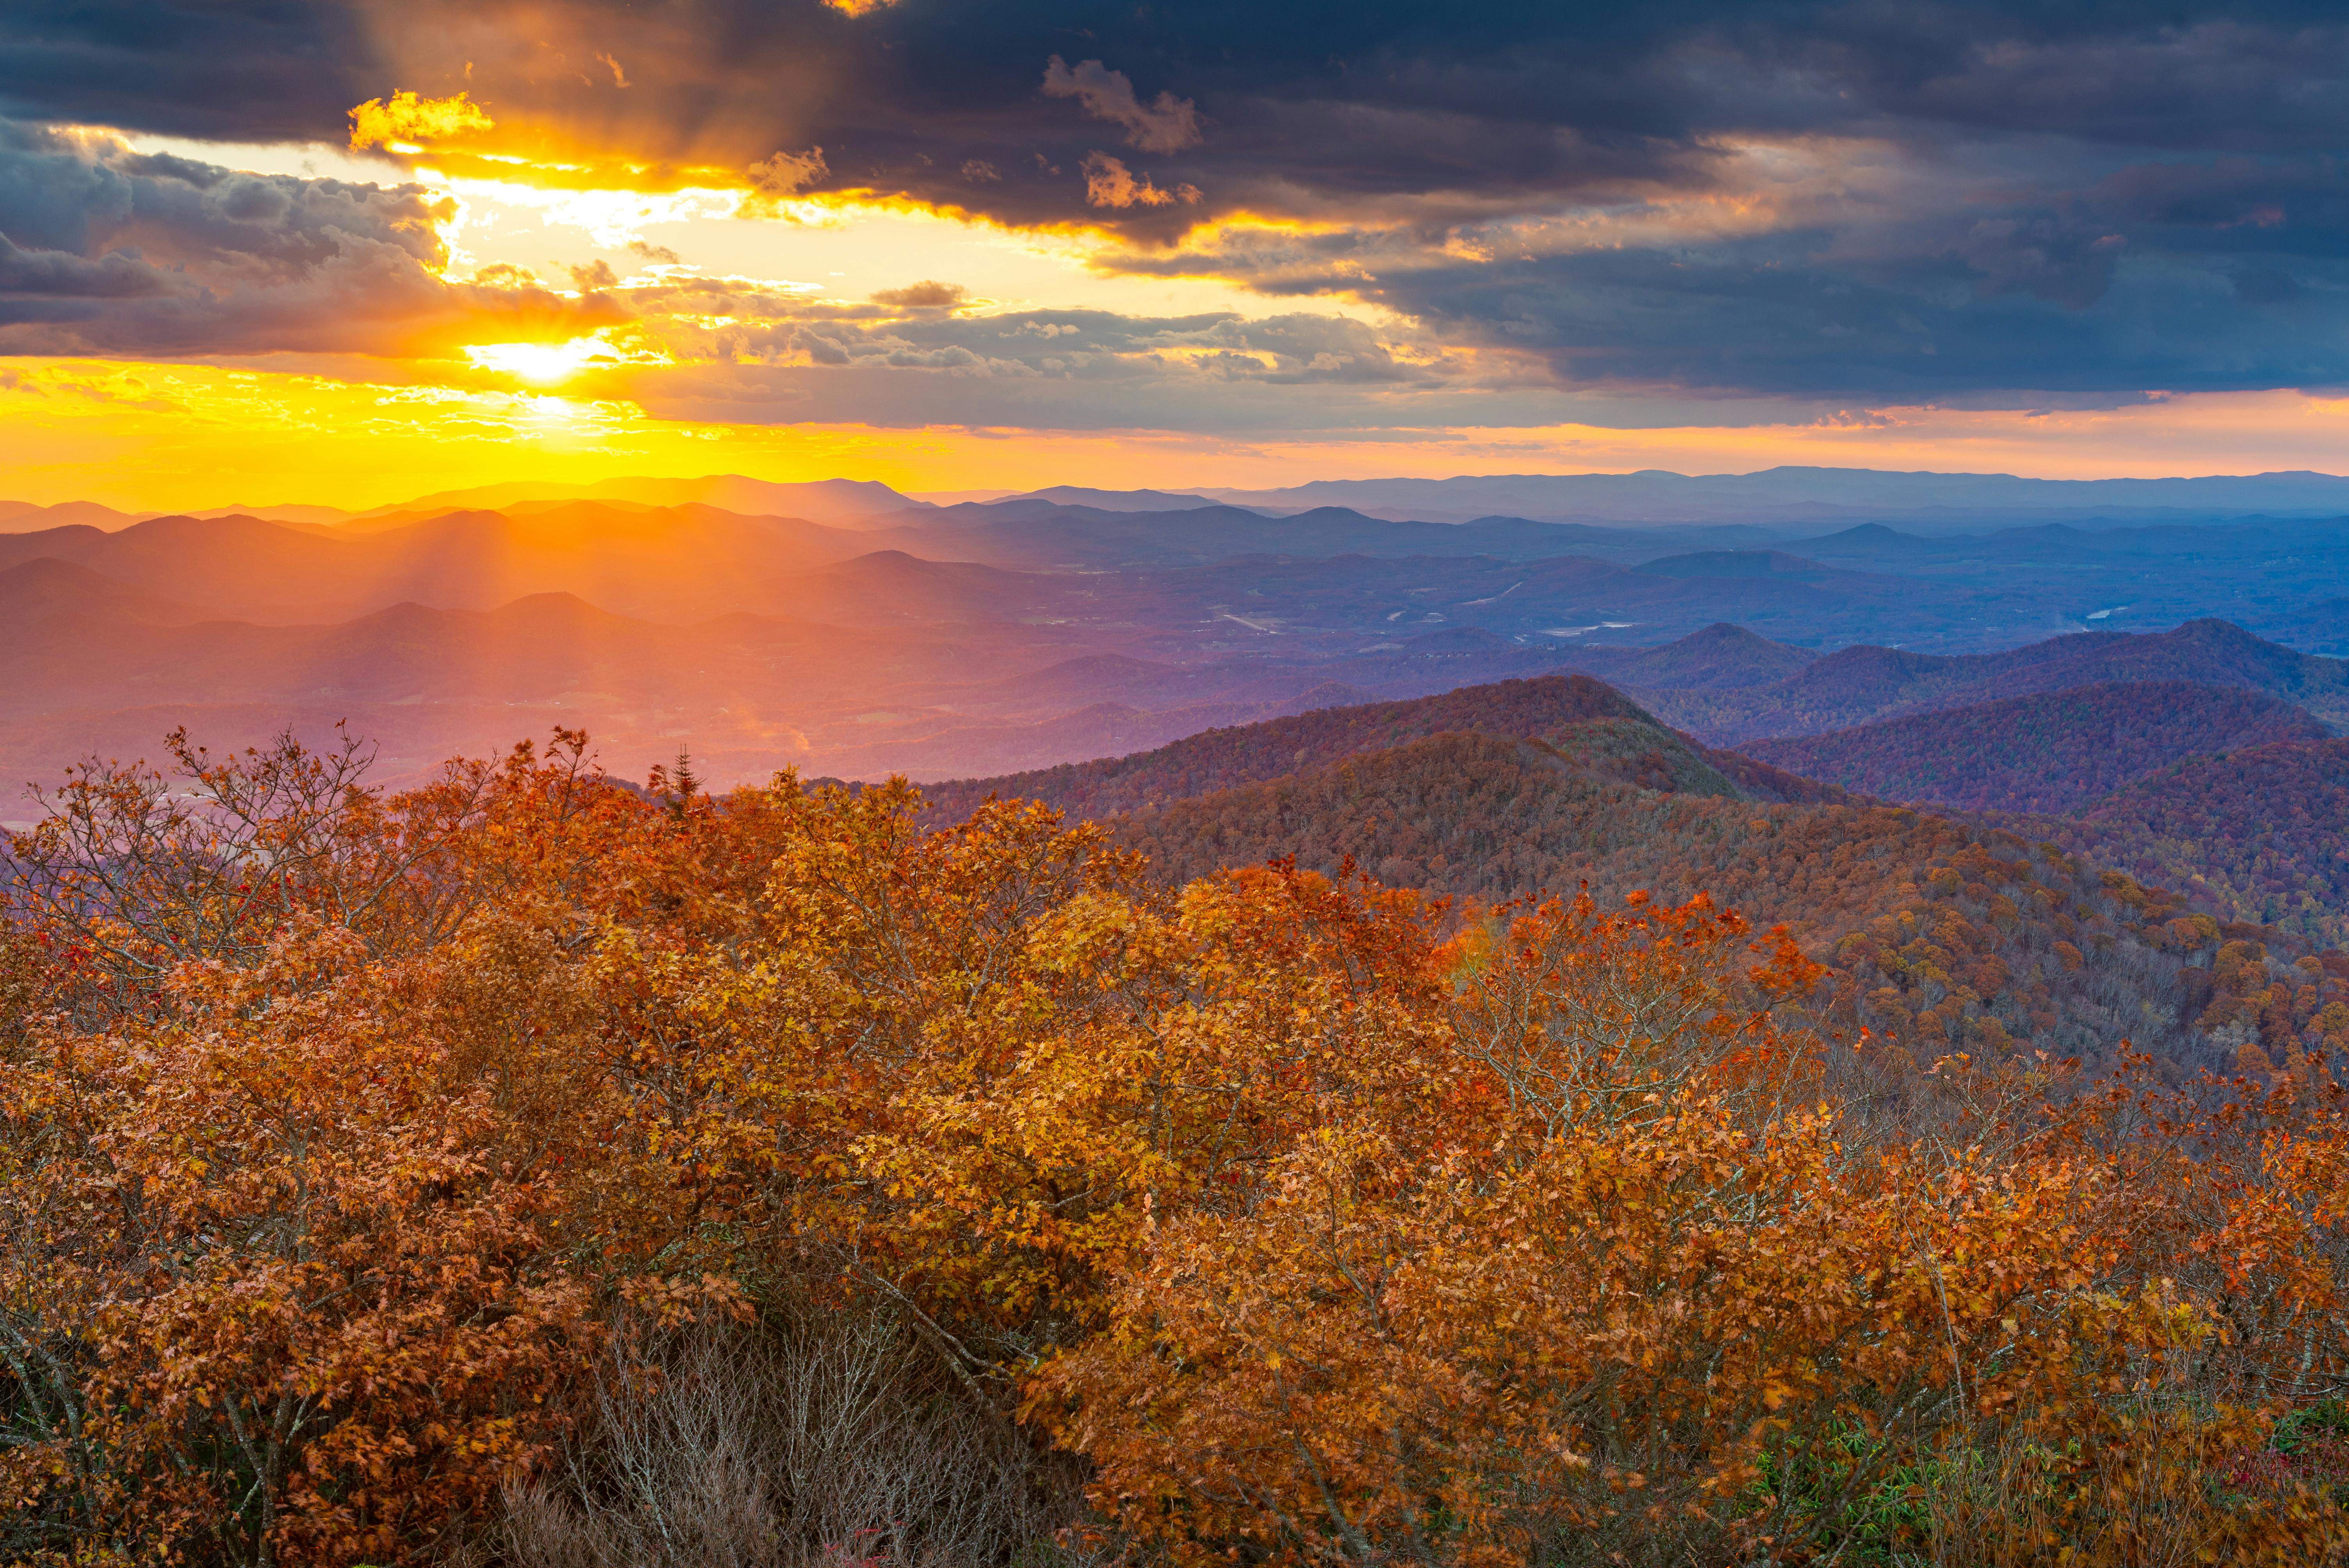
{"x": 544, "y": 364}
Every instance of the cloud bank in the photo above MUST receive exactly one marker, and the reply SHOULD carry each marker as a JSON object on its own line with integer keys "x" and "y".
{"x": 1846, "y": 201}
{"x": 104, "y": 250}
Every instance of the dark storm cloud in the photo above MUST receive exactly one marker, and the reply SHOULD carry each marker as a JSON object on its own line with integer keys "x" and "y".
{"x": 233, "y": 71}
{"x": 2014, "y": 309}
{"x": 106, "y": 252}
{"x": 2224, "y": 273}
{"x": 1329, "y": 99}
{"x": 2058, "y": 193}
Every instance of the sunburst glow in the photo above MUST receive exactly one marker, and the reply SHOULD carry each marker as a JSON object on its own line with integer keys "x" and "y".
{"x": 545, "y": 364}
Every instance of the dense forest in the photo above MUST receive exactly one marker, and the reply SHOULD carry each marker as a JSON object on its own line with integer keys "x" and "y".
{"x": 539, "y": 1168}
{"x": 2024, "y": 930}
{"x": 2236, "y": 800}
{"x": 2261, "y": 834}
{"x": 1935, "y": 935}
{"x": 2047, "y": 753}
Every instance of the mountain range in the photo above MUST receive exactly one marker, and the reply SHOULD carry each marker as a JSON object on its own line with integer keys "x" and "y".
{"x": 2021, "y": 783}
{"x": 1800, "y": 494}
{"x": 1858, "y": 685}
{"x": 2050, "y": 752}
{"x": 961, "y": 643}
{"x": 1806, "y": 497}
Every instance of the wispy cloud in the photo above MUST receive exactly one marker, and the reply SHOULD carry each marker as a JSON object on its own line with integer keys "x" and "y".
{"x": 1168, "y": 124}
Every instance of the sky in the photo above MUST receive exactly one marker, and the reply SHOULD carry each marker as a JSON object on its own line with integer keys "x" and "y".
{"x": 350, "y": 250}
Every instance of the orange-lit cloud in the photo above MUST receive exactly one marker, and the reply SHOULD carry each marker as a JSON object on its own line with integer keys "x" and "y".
{"x": 927, "y": 294}
{"x": 780, "y": 176}
{"x": 1109, "y": 183}
{"x": 405, "y": 119}
{"x": 123, "y": 252}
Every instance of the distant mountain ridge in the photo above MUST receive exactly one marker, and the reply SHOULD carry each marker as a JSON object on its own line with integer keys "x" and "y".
{"x": 690, "y": 561}
{"x": 1035, "y": 531}
{"x": 1861, "y": 684}
{"x": 820, "y": 501}
{"x": 1801, "y": 494}
{"x": 1113, "y": 501}
{"x": 1796, "y": 494}
{"x": 2050, "y": 752}
{"x": 24, "y": 517}
{"x": 1719, "y": 657}
{"x": 46, "y": 590}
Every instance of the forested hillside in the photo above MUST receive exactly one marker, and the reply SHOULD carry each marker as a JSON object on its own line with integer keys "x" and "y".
{"x": 2261, "y": 834}
{"x": 1940, "y": 934}
{"x": 1543, "y": 786}
{"x": 2046, "y": 753}
{"x": 1935, "y": 929}
{"x": 1766, "y": 782}
{"x": 2236, "y": 800}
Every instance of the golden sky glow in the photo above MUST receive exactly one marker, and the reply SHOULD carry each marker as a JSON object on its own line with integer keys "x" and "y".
{"x": 144, "y": 437}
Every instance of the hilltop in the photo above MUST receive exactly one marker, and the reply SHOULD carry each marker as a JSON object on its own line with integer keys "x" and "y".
{"x": 1719, "y": 657}
{"x": 1220, "y": 759}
